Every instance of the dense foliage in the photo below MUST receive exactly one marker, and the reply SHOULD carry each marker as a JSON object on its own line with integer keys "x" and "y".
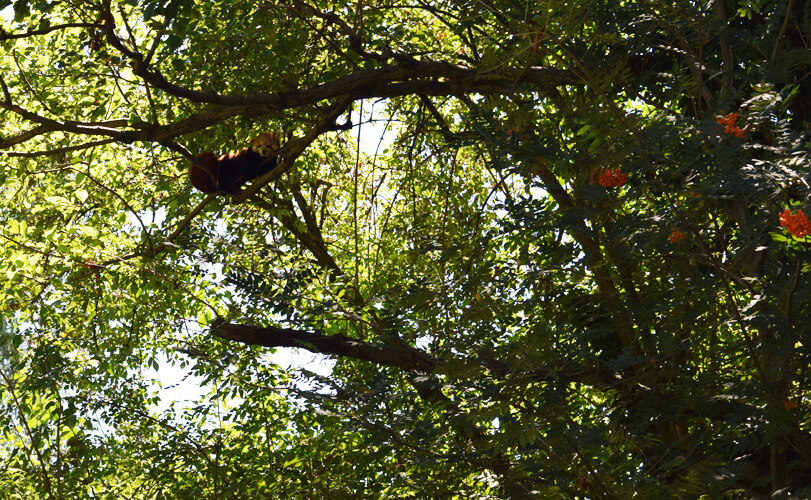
{"x": 576, "y": 265}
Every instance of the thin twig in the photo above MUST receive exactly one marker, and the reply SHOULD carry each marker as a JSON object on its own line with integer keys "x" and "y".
{"x": 45, "y": 31}
{"x": 782, "y": 31}
{"x": 58, "y": 151}
{"x": 797, "y": 272}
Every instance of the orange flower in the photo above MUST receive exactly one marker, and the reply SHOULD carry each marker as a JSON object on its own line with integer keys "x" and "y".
{"x": 675, "y": 235}
{"x": 516, "y": 133}
{"x": 728, "y": 120}
{"x": 790, "y": 404}
{"x": 797, "y": 225}
{"x": 536, "y": 42}
{"x": 541, "y": 169}
{"x": 729, "y": 125}
{"x": 608, "y": 177}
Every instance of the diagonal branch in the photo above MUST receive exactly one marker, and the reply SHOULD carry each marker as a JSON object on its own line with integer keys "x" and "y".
{"x": 294, "y": 149}
{"x": 594, "y": 256}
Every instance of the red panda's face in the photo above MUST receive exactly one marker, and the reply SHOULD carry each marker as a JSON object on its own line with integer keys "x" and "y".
{"x": 266, "y": 143}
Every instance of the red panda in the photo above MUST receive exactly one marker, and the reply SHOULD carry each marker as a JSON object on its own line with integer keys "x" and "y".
{"x": 230, "y": 171}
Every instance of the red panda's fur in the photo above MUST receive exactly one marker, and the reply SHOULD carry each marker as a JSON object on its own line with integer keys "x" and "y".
{"x": 230, "y": 171}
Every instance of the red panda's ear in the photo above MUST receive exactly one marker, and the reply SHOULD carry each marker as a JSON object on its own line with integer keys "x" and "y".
{"x": 268, "y": 139}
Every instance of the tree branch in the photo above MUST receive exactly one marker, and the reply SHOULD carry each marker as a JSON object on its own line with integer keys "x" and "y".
{"x": 58, "y": 151}
{"x": 331, "y": 345}
{"x": 45, "y": 31}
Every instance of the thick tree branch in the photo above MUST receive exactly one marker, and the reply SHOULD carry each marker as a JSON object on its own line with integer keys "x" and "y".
{"x": 408, "y": 358}
{"x": 419, "y": 78}
{"x": 331, "y": 345}
{"x": 408, "y": 77}
{"x": 430, "y": 77}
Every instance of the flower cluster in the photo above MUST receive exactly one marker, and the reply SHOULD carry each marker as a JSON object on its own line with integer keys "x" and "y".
{"x": 536, "y": 42}
{"x": 516, "y": 133}
{"x": 790, "y": 404}
{"x": 608, "y": 177}
{"x": 729, "y": 125}
{"x": 541, "y": 169}
{"x": 798, "y": 224}
{"x": 675, "y": 235}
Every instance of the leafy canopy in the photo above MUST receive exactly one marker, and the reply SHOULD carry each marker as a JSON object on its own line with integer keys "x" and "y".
{"x": 576, "y": 264}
